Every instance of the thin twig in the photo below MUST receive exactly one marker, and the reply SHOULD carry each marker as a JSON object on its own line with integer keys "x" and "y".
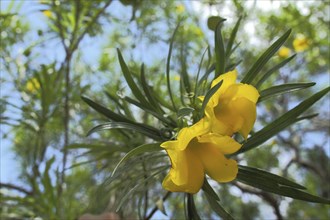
{"x": 18, "y": 188}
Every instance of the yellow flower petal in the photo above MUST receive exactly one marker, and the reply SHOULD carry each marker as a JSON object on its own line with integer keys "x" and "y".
{"x": 239, "y": 115}
{"x": 284, "y": 52}
{"x": 216, "y": 165}
{"x": 186, "y": 174}
{"x": 225, "y": 144}
{"x": 187, "y": 134}
{"x": 229, "y": 79}
{"x": 239, "y": 91}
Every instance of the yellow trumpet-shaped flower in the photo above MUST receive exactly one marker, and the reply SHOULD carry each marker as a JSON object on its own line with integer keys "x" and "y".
{"x": 233, "y": 107}
{"x": 300, "y": 44}
{"x": 195, "y": 154}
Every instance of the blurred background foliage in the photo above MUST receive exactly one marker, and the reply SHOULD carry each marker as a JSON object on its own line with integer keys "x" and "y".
{"x": 52, "y": 52}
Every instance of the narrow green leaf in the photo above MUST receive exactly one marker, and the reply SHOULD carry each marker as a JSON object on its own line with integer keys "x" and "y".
{"x": 198, "y": 72}
{"x": 138, "y": 150}
{"x": 217, "y": 208}
{"x": 148, "y": 92}
{"x": 232, "y": 38}
{"x": 282, "y": 122}
{"x": 129, "y": 79}
{"x": 209, "y": 190}
{"x": 185, "y": 111}
{"x": 220, "y": 53}
{"x": 208, "y": 96}
{"x": 142, "y": 183}
{"x": 143, "y": 129}
{"x": 206, "y": 74}
{"x": 270, "y": 176}
{"x": 123, "y": 106}
{"x": 280, "y": 89}
{"x": 191, "y": 208}
{"x": 269, "y": 185}
{"x": 272, "y": 70}
{"x": 106, "y": 112}
{"x": 168, "y": 65}
{"x": 264, "y": 58}
{"x": 156, "y": 114}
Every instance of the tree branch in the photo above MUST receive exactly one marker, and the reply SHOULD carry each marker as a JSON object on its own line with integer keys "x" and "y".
{"x": 18, "y": 188}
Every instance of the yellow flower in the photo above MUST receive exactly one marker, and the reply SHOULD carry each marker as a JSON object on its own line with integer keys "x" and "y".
{"x": 32, "y": 85}
{"x": 284, "y": 52}
{"x": 195, "y": 154}
{"x": 233, "y": 107}
{"x": 47, "y": 13}
{"x": 180, "y": 8}
{"x": 300, "y": 44}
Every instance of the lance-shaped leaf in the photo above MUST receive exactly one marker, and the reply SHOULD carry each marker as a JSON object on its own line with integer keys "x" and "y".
{"x": 138, "y": 150}
{"x": 208, "y": 96}
{"x": 264, "y": 174}
{"x": 280, "y": 89}
{"x": 217, "y": 208}
{"x": 209, "y": 190}
{"x": 272, "y": 184}
{"x": 272, "y": 70}
{"x": 131, "y": 83}
{"x": 281, "y": 123}
{"x": 191, "y": 208}
{"x": 106, "y": 112}
{"x": 220, "y": 52}
{"x": 148, "y": 92}
{"x": 264, "y": 58}
{"x": 141, "y": 128}
{"x": 232, "y": 38}
{"x": 168, "y": 65}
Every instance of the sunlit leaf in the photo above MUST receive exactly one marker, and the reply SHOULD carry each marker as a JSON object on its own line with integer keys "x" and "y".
{"x": 281, "y": 123}
{"x": 264, "y": 58}
{"x": 280, "y": 89}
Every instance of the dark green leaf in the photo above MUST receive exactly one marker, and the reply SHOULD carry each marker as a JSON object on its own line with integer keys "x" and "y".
{"x": 266, "y": 175}
{"x": 106, "y": 112}
{"x": 232, "y": 38}
{"x": 270, "y": 185}
{"x": 157, "y": 115}
{"x": 208, "y": 96}
{"x": 129, "y": 79}
{"x": 168, "y": 65}
{"x": 280, "y": 89}
{"x": 220, "y": 53}
{"x": 209, "y": 190}
{"x": 272, "y": 70}
{"x": 191, "y": 208}
{"x": 282, "y": 122}
{"x": 217, "y": 208}
{"x": 148, "y": 92}
{"x": 264, "y": 58}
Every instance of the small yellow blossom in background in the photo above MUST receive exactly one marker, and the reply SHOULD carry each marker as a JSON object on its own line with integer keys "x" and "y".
{"x": 201, "y": 148}
{"x": 300, "y": 44}
{"x": 32, "y": 85}
{"x": 180, "y": 8}
{"x": 177, "y": 78}
{"x": 284, "y": 52}
{"x": 47, "y": 13}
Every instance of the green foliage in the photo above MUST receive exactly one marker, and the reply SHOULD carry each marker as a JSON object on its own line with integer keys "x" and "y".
{"x": 64, "y": 174}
